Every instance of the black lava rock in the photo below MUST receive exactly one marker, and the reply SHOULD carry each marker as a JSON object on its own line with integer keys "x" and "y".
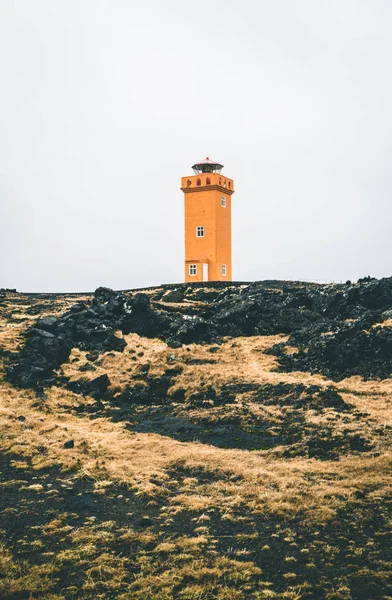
{"x": 87, "y": 367}
{"x": 333, "y": 326}
{"x": 97, "y": 388}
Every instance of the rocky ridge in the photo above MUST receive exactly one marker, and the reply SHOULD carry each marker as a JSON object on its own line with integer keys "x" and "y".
{"x": 335, "y": 330}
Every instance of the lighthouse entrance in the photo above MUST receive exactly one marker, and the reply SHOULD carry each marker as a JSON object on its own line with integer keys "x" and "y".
{"x": 205, "y": 271}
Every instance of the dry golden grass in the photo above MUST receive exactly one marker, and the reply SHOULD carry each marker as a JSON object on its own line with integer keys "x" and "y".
{"x": 136, "y": 458}
{"x": 386, "y": 323}
{"x": 242, "y": 360}
{"x": 162, "y": 472}
{"x": 120, "y": 367}
{"x": 107, "y": 451}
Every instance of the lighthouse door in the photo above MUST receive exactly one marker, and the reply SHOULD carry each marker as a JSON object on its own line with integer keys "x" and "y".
{"x": 205, "y": 271}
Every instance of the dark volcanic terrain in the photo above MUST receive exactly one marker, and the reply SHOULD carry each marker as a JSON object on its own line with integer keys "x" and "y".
{"x": 219, "y": 441}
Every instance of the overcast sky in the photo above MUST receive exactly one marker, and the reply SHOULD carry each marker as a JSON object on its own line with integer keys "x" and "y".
{"x": 105, "y": 104}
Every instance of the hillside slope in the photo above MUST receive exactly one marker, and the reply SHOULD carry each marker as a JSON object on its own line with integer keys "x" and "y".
{"x": 220, "y": 442}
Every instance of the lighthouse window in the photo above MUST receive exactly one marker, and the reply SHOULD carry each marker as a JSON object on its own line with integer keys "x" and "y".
{"x": 208, "y": 181}
{"x": 200, "y": 231}
{"x": 223, "y": 202}
{"x": 192, "y": 270}
{"x": 198, "y": 182}
{"x": 223, "y": 269}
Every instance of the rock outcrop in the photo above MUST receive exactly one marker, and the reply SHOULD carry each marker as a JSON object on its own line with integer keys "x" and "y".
{"x": 333, "y": 327}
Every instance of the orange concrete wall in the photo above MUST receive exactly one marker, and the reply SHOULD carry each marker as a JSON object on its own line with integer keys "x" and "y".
{"x": 223, "y": 237}
{"x": 203, "y": 206}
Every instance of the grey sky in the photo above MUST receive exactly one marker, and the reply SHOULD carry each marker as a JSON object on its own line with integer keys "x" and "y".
{"x": 105, "y": 104}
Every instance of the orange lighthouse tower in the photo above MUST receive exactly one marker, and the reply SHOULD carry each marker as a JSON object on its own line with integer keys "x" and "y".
{"x": 207, "y": 199}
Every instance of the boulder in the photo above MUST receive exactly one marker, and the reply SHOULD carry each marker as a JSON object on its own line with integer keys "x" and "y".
{"x": 48, "y": 324}
{"x": 112, "y": 342}
{"x": 87, "y": 367}
{"x": 176, "y": 295}
{"x": 99, "y": 384}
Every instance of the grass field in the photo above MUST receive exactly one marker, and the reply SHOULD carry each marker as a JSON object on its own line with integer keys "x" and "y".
{"x": 241, "y": 482}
